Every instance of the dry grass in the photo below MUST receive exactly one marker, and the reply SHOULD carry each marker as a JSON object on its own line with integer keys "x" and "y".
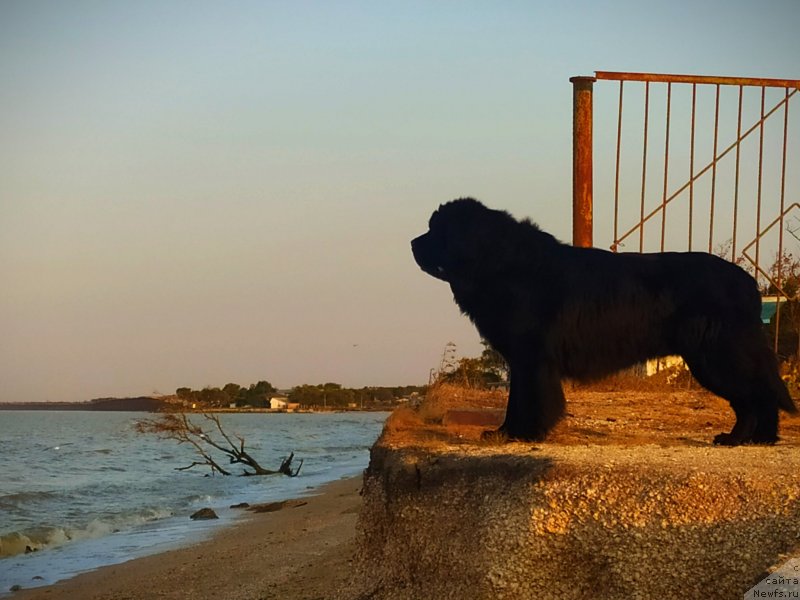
{"x": 667, "y": 380}
{"x": 401, "y": 419}
{"x": 448, "y": 396}
{"x": 622, "y": 410}
{"x": 425, "y": 420}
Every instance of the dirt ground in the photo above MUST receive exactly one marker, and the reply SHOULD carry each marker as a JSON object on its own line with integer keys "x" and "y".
{"x": 610, "y": 413}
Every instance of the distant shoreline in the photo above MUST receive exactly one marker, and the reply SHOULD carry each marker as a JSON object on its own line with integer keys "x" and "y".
{"x": 149, "y": 404}
{"x": 138, "y": 404}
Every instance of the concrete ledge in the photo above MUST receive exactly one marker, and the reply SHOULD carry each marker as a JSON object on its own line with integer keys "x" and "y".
{"x": 680, "y": 520}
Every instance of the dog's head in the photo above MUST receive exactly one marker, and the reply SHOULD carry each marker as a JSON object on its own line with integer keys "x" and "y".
{"x": 464, "y": 240}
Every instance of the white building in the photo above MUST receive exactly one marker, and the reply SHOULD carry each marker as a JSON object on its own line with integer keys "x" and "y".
{"x": 278, "y": 403}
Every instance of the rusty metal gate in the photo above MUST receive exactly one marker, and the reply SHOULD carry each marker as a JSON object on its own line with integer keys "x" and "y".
{"x": 682, "y": 162}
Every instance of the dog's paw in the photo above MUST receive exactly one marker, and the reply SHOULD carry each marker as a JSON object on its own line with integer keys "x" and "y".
{"x": 764, "y": 440}
{"x": 728, "y": 439}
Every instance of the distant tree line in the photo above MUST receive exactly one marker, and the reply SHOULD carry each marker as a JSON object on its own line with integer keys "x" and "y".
{"x": 256, "y": 395}
{"x": 332, "y": 395}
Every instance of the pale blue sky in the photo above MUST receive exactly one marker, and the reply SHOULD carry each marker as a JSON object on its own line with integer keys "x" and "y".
{"x": 193, "y": 193}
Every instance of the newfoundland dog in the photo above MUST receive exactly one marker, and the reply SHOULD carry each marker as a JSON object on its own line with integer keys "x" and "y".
{"x": 555, "y": 311}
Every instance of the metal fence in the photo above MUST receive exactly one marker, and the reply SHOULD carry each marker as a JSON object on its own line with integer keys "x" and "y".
{"x": 681, "y": 162}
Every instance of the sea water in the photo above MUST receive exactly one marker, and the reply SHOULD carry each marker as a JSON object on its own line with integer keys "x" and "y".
{"x": 79, "y": 490}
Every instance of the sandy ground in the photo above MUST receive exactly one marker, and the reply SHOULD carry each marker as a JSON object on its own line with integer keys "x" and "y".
{"x": 296, "y": 553}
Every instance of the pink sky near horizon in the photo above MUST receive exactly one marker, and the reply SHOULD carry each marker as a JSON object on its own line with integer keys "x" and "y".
{"x": 199, "y": 193}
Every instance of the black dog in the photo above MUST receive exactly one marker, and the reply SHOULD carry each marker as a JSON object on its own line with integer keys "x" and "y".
{"x": 556, "y": 311}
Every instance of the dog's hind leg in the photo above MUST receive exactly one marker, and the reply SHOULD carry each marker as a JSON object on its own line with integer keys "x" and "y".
{"x": 535, "y": 402}
{"x": 740, "y": 367}
{"x": 707, "y": 370}
{"x": 772, "y": 395}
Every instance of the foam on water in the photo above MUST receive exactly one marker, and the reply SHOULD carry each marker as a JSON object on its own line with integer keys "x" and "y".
{"x": 82, "y": 490}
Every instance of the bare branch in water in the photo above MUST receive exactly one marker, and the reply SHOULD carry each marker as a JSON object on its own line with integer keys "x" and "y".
{"x": 178, "y": 427}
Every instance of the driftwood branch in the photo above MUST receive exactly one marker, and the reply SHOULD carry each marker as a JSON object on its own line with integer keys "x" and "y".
{"x": 178, "y": 427}
{"x": 286, "y": 466}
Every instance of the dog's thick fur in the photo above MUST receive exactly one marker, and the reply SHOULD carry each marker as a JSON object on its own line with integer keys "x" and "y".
{"x": 555, "y": 311}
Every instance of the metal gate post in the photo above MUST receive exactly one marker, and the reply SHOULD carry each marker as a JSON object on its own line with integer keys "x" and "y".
{"x": 582, "y": 161}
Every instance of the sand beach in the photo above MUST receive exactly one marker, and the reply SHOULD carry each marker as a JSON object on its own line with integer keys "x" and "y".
{"x": 301, "y": 552}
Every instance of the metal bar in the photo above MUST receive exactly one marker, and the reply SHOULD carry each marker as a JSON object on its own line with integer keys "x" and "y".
{"x": 703, "y": 171}
{"x": 760, "y": 172}
{"x": 761, "y": 234}
{"x": 756, "y": 266}
{"x": 774, "y": 277}
{"x": 736, "y": 182}
{"x": 783, "y": 167}
{"x": 783, "y": 208}
{"x": 582, "y": 161}
{"x": 691, "y": 165}
{"x": 616, "y": 168}
{"x": 713, "y": 175}
{"x": 666, "y": 170}
{"x": 701, "y": 79}
{"x": 644, "y": 165}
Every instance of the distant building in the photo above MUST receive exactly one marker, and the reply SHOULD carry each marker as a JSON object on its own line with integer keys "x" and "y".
{"x": 279, "y": 403}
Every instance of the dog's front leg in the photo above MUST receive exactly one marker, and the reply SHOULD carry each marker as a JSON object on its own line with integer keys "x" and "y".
{"x": 535, "y": 401}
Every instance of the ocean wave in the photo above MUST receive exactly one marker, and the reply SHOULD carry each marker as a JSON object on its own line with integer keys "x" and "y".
{"x": 90, "y": 466}
{"x": 21, "y": 498}
{"x": 34, "y": 539}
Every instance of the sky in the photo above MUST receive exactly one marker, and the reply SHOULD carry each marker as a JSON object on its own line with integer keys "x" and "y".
{"x": 196, "y": 193}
